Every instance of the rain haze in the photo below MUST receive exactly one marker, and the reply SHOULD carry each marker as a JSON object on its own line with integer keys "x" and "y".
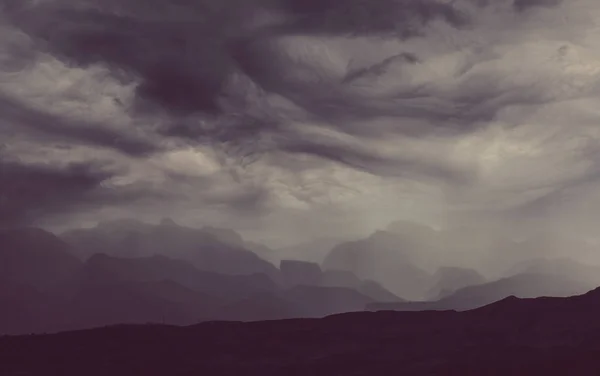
{"x": 466, "y": 129}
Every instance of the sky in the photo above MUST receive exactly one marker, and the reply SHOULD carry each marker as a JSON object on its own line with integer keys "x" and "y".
{"x": 296, "y": 119}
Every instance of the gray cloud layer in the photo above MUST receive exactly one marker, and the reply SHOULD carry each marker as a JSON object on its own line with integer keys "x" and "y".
{"x": 261, "y": 114}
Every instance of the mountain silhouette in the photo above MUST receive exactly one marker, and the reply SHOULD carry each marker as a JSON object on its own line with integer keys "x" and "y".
{"x": 136, "y": 302}
{"x": 544, "y": 336}
{"x": 382, "y": 258}
{"x": 25, "y": 309}
{"x": 35, "y": 257}
{"x": 107, "y": 290}
{"x": 300, "y": 273}
{"x": 303, "y": 273}
{"x": 296, "y": 302}
{"x": 563, "y": 267}
{"x": 103, "y": 269}
{"x": 316, "y": 301}
{"x": 447, "y": 280}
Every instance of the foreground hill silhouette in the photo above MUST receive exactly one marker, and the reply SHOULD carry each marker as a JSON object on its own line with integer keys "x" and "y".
{"x": 544, "y": 336}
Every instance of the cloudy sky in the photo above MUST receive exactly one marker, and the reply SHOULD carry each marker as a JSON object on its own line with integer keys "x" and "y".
{"x": 288, "y": 119}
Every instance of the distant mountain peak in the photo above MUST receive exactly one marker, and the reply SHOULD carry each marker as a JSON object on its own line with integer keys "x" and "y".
{"x": 228, "y": 236}
{"x": 122, "y": 223}
{"x": 167, "y": 221}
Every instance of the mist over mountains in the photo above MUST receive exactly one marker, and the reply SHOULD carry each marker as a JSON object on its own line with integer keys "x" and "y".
{"x": 129, "y": 271}
{"x": 271, "y": 173}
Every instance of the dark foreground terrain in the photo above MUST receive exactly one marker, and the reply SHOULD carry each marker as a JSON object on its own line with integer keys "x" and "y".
{"x": 545, "y": 336}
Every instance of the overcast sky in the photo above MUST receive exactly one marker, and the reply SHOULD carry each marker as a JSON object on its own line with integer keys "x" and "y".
{"x": 290, "y": 119}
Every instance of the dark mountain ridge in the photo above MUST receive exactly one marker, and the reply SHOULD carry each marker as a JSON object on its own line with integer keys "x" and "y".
{"x": 35, "y": 257}
{"x": 549, "y": 336}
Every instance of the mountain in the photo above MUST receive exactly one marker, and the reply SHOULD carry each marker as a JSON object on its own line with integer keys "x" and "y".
{"x": 260, "y": 307}
{"x": 541, "y": 246}
{"x": 563, "y": 267}
{"x": 137, "y": 302}
{"x": 522, "y": 285}
{"x": 263, "y": 252}
{"x": 447, "y": 280}
{"x": 382, "y": 258}
{"x": 300, "y": 273}
{"x": 317, "y": 301}
{"x": 232, "y": 238}
{"x": 303, "y": 273}
{"x": 25, "y": 309}
{"x": 372, "y": 289}
{"x": 340, "y": 278}
{"x": 95, "y": 306}
{"x": 375, "y": 291}
{"x": 35, "y": 257}
{"x": 109, "y": 290}
{"x": 423, "y": 244}
{"x": 102, "y": 269}
{"x": 544, "y": 336}
{"x": 296, "y": 302}
{"x": 312, "y": 251}
{"x": 203, "y": 247}
{"x": 226, "y": 236}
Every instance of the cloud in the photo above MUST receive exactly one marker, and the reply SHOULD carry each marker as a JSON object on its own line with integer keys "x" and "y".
{"x": 17, "y": 117}
{"x": 174, "y": 52}
{"x": 29, "y": 192}
{"x": 522, "y": 5}
{"x": 284, "y": 108}
{"x": 359, "y": 17}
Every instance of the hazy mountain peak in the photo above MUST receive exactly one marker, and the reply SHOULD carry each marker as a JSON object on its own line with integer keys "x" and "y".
{"x": 122, "y": 224}
{"x": 228, "y": 236}
{"x": 167, "y": 221}
{"x": 34, "y": 256}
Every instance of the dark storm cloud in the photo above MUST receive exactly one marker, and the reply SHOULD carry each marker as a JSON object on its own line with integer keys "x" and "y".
{"x": 180, "y": 53}
{"x": 33, "y": 192}
{"x": 180, "y": 65}
{"x": 224, "y": 189}
{"x": 370, "y": 162}
{"x": 29, "y": 192}
{"x": 404, "y": 18}
{"x": 17, "y": 118}
{"x": 345, "y": 103}
{"x": 183, "y": 53}
{"x": 522, "y": 5}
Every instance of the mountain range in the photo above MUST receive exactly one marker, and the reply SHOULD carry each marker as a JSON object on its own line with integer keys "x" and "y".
{"x": 132, "y": 272}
